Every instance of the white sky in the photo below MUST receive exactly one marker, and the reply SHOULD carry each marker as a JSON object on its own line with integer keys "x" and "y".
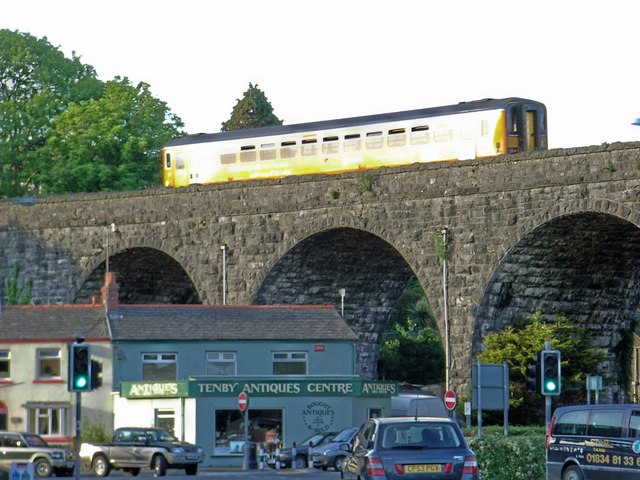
{"x": 318, "y": 60}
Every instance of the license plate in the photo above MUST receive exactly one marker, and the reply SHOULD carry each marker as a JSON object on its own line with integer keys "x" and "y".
{"x": 424, "y": 468}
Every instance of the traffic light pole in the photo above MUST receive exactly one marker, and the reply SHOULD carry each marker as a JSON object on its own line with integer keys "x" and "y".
{"x": 78, "y": 430}
{"x": 547, "y": 398}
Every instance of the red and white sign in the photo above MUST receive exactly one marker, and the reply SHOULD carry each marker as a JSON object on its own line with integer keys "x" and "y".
{"x": 243, "y": 401}
{"x": 450, "y": 400}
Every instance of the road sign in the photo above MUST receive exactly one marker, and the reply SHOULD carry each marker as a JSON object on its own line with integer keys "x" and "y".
{"x": 243, "y": 401}
{"x": 450, "y": 400}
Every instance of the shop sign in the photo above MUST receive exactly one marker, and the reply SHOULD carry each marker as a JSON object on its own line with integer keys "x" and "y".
{"x": 318, "y": 416}
{"x": 303, "y": 388}
{"x": 154, "y": 389}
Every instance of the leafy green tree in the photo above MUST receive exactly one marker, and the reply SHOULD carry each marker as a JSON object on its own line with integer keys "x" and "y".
{"x": 411, "y": 350}
{"x": 517, "y": 344}
{"x": 109, "y": 143}
{"x": 413, "y": 355}
{"x": 253, "y": 110}
{"x": 37, "y": 82}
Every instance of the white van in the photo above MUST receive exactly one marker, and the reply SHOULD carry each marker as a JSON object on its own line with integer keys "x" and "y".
{"x": 410, "y": 405}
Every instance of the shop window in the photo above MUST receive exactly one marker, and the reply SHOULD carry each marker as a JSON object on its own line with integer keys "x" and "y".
{"x": 46, "y": 420}
{"x": 4, "y": 414}
{"x": 159, "y": 366}
{"x": 165, "y": 419}
{"x": 5, "y": 364}
{"x": 289, "y": 363}
{"x": 48, "y": 363}
{"x": 221, "y": 363}
{"x": 264, "y": 427}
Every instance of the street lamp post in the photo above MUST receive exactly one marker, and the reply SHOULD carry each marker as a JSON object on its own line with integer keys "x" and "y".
{"x": 342, "y": 293}
{"x": 445, "y": 292}
{"x": 224, "y": 274}
{"x": 111, "y": 227}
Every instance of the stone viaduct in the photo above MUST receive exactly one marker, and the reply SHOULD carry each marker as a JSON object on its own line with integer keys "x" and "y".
{"x": 555, "y": 230}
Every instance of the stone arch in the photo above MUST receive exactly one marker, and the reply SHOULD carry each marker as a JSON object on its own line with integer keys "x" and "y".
{"x": 372, "y": 272}
{"x": 580, "y": 258}
{"x": 145, "y": 275}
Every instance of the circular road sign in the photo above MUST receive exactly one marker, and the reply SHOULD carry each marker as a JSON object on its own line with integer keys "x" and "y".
{"x": 450, "y": 400}
{"x": 243, "y": 401}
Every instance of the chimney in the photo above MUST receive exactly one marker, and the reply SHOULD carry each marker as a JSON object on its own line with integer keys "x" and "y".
{"x": 110, "y": 292}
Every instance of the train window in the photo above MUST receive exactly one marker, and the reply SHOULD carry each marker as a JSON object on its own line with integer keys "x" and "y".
{"x": 167, "y": 159}
{"x": 419, "y": 135}
{"x": 374, "y": 140}
{"x": 288, "y": 149}
{"x": 443, "y": 135}
{"x": 484, "y": 128}
{"x": 352, "y": 142}
{"x": 227, "y": 158}
{"x": 268, "y": 151}
{"x": 180, "y": 163}
{"x": 330, "y": 144}
{"x": 397, "y": 137}
{"x": 309, "y": 147}
{"x": 248, "y": 153}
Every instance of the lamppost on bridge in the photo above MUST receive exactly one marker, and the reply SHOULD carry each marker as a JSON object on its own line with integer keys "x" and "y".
{"x": 224, "y": 274}
{"x": 342, "y": 292}
{"x": 443, "y": 253}
{"x": 111, "y": 227}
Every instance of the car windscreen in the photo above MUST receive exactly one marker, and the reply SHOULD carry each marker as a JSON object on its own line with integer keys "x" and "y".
{"x": 419, "y": 436}
{"x": 160, "y": 436}
{"x": 345, "y": 435}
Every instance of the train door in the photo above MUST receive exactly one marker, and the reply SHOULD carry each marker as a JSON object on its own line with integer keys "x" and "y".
{"x": 175, "y": 172}
{"x": 526, "y": 127}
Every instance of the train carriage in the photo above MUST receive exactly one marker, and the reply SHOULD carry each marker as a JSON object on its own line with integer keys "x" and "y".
{"x": 468, "y": 130}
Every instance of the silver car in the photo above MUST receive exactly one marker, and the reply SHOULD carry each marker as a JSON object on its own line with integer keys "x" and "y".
{"x": 408, "y": 448}
{"x": 28, "y": 447}
{"x": 333, "y": 453}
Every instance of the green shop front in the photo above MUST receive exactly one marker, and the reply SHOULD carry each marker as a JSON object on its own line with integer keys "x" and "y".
{"x": 205, "y": 410}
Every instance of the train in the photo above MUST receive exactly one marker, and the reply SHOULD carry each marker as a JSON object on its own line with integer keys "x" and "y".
{"x": 467, "y": 130}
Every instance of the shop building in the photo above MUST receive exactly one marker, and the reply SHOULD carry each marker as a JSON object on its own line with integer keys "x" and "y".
{"x": 182, "y": 367}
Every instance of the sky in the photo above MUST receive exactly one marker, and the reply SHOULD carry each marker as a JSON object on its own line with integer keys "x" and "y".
{"x": 320, "y": 60}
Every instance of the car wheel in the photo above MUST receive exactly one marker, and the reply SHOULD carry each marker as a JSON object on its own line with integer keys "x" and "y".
{"x": 572, "y": 473}
{"x": 191, "y": 469}
{"x": 42, "y": 468}
{"x": 299, "y": 462}
{"x": 101, "y": 466}
{"x": 159, "y": 466}
{"x": 133, "y": 472}
{"x": 337, "y": 464}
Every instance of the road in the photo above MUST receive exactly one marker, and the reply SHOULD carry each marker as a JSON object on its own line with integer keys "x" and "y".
{"x": 207, "y": 473}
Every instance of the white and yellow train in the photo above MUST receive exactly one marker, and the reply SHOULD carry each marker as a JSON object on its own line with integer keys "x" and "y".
{"x": 482, "y": 128}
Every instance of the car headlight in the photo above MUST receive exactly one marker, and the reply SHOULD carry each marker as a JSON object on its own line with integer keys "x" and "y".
{"x": 284, "y": 456}
{"x": 200, "y": 450}
{"x": 177, "y": 450}
{"x": 57, "y": 455}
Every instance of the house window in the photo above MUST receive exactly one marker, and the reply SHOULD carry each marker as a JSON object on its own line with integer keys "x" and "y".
{"x": 48, "y": 361}
{"x": 289, "y": 363}
{"x": 221, "y": 363}
{"x": 46, "y": 420}
{"x": 159, "y": 366}
{"x": 5, "y": 364}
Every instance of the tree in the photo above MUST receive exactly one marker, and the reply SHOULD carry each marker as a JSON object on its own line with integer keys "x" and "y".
{"x": 253, "y": 110}
{"x": 518, "y": 343}
{"x": 411, "y": 350}
{"x": 37, "y": 83}
{"x": 109, "y": 143}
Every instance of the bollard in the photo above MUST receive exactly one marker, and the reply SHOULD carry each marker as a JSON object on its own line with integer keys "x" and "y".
{"x": 294, "y": 454}
{"x": 310, "y": 456}
{"x": 277, "y": 456}
{"x": 260, "y": 456}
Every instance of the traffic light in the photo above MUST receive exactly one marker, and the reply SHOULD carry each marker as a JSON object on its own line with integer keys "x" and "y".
{"x": 96, "y": 370}
{"x": 79, "y": 367}
{"x": 532, "y": 375}
{"x": 551, "y": 379}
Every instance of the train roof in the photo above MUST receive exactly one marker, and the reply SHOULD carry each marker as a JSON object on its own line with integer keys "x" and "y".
{"x": 462, "y": 107}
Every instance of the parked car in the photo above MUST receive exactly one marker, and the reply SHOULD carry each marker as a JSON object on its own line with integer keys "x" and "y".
{"x": 411, "y": 404}
{"x": 29, "y": 447}
{"x": 301, "y": 459}
{"x": 132, "y": 449}
{"x": 331, "y": 454}
{"x": 406, "y": 447}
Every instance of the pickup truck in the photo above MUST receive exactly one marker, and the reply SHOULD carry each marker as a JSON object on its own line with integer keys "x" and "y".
{"x": 132, "y": 449}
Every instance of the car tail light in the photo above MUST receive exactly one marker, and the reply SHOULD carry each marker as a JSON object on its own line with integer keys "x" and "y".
{"x": 549, "y": 431}
{"x": 470, "y": 465}
{"x": 375, "y": 467}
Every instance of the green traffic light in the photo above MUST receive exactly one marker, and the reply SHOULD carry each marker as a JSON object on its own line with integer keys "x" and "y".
{"x": 551, "y": 386}
{"x": 81, "y": 382}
